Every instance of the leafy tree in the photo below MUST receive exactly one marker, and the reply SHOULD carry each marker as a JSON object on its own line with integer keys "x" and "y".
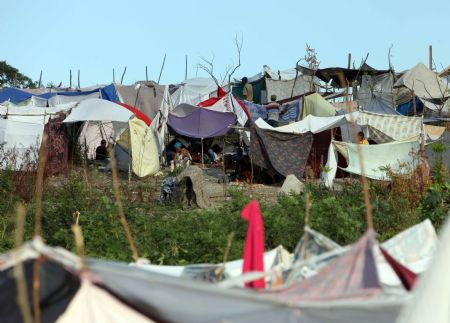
{"x": 10, "y": 76}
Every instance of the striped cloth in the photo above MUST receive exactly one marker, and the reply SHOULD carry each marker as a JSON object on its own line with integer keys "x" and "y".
{"x": 387, "y": 128}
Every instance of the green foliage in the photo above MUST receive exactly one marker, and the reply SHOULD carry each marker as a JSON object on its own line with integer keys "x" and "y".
{"x": 11, "y": 77}
{"x": 175, "y": 235}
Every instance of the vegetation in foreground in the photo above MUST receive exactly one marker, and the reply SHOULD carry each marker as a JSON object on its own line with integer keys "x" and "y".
{"x": 176, "y": 235}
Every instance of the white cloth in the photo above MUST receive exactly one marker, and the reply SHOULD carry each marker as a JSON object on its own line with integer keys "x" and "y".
{"x": 431, "y": 297}
{"x": 92, "y": 304}
{"x": 310, "y": 123}
{"x": 194, "y": 91}
{"x": 21, "y": 142}
{"x": 99, "y": 110}
{"x": 398, "y": 156}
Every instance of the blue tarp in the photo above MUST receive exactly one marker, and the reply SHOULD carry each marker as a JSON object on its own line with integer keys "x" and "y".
{"x": 256, "y": 110}
{"x": 109, "y": 93}
{"x": 14, "y": 95}
{"x": 292, "y": 111}
{"x": 407, "y": 108}
{"x": 17, "y": 95}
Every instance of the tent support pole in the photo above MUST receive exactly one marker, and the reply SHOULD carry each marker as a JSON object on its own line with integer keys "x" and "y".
{"x": 129, "y": 157}
{"x": 203, "y": 165}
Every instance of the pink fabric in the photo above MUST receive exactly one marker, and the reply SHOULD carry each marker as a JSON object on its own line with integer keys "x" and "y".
{"x": 254, "y": 243}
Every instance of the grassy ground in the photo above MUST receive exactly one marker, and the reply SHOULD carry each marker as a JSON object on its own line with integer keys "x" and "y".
{"x": 178, "y": 234}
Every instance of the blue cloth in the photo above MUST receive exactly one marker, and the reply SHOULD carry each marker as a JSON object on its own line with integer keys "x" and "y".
{"x": 407, "y": 108}
{"x": 52, "y": 94}
{"x": 256, "y": 110}
{"x": 291, "y": 111}
{"x": 109, "y": 93}
{"x": 14, "y": 95}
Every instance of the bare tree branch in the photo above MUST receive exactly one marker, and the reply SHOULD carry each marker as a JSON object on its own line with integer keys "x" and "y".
{"x": 239, "y": 49}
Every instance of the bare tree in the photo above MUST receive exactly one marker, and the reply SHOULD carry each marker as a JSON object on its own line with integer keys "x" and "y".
{"x": 312, "y": 63}
{"x": 207, "y": 65}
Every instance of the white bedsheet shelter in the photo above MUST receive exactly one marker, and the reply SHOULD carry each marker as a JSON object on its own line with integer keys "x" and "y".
{"x": 19, "y": 144}
{"x": 99, "y": 110}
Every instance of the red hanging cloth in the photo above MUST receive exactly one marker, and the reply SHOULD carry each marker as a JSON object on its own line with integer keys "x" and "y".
{"x": 254, "y": 243}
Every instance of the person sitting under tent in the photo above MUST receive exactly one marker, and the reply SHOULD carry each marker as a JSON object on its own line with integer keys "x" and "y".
{"x": 247, "y": 91}
{"x": 182, "y": 157}
{"x": 361, "y": 139}
{"x": 273, "y": 111}
{"x": 101, "y": 153}
{"x": 213, "y": 153}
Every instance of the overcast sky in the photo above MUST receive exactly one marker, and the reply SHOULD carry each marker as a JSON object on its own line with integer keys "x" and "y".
{"x": 96, "y": 36}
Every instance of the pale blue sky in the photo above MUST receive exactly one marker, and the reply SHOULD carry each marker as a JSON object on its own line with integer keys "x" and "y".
{"x": 95, "y": 36}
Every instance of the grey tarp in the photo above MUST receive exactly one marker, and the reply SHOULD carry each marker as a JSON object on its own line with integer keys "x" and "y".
{"x": 169, "y": 299}
{"x": 147, "y": 97}
{"x": 376, "y": 105}
{"x": 376, "y": 87}
{"x": 425, "y": 83}
{"x": 283, "y": 89}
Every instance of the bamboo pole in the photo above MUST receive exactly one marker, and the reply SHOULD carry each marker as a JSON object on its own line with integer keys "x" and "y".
{"x": 70, "y": 79}
{"x": 114, "y": 76}
{"x": 19, "y": 274}
{"x": 40, "y": 79}
{"x": 119, "y": 205}
{"x": 162, "y": 67}
{"x": 79, "y": 79}
{"x": 123, "y": 75}
{"x": 186, "y": 68}
{"x": 430, "y": 57}
{"x": 146, "y": 73}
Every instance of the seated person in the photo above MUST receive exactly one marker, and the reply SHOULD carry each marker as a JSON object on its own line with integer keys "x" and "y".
{"x": 101, "y": 153}
{"x": 361, "y": 139}
{"x": 213, "y": 153}
{"x": 182, "y": 158}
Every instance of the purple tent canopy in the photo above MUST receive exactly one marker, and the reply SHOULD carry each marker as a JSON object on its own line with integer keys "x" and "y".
{"x": 196, "y": 122}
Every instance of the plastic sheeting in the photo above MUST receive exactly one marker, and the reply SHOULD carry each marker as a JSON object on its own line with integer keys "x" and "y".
{"x": 99, "y": 110}
{"x": 291, "y": 88}
{"x": 92, "y": 133}
{"x": 425, "y": 83}
{"x": 378, "y": 87}
{"x": 197, "y": 122}
{"x": 144, "y": 150}
{"x": 194, "y": 91}
{"x": 147, "y": 98}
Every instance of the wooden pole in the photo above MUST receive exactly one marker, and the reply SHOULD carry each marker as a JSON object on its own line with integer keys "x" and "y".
{"x": 70, "y": 81}
{"x": 123, "y": 75}
{"x": 146, "y": 73}
{"x": 162, "y": 67}
{"x": 40, "y": 80}
{"x": 114, "y": 76}
{"x": 79, "y": 79}
{"x": 414, "y": 103}
{"x": 185, "y": 68}
{"x": 430, "y": 57}
{"x": 349, "y": 64}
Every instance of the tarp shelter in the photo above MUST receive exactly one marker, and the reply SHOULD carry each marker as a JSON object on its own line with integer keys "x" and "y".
{"x": 98, "y": 110}
{"x": 284, "y": 84}
{"x": 398, "y": 157}
{"x": 281, "y": 152}
{"x": 140, "y": 115}
{"x": 425, "y": 83}
{"x": 193, "y": 91}
{"x": 197, "y": 122}
{"x": 226, "y": 102}
{"x": 147, "y": 97}
{"x": 19, "y": 144}
{"x": 376, "y": 105}
{"x": 378, "y": 88}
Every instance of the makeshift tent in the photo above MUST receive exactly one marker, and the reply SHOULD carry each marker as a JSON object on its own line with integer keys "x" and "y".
{"x": 398, "y": 157}
{"x": 91, "y": 135}
{"x": 19, "y": 144}
{"x": 408, "y": 109}
{"x": 197, "y": 122}
{"x": 144, "y": 149}
{"x": 376, "y": 105}
{"x": 378, "y": 88}
{"x": 193, "y": 91}
{"x": 99, "y": 110}
{"x": 227, "y": 103}
{"x": 147, "y": 97}
{"x": 281, "y": 152}
{"x": 425, "y": 83}
{"x": 290, "y": 112}
{"x": 316, "y": 105}
{"x": 140, "y": 115}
